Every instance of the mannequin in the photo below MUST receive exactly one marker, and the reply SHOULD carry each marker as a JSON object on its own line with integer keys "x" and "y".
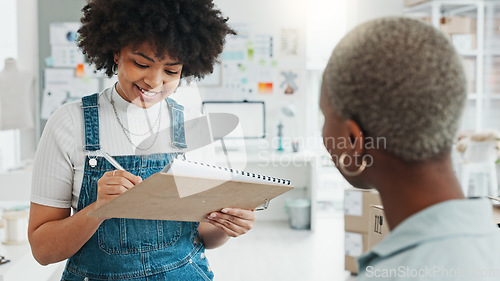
{"x": 16, "y": 96}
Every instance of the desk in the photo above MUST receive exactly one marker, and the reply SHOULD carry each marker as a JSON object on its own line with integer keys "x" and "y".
{"x": 298, "y": 167}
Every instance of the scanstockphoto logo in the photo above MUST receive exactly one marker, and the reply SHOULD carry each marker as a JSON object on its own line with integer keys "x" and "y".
{"x": 438, "y": 272}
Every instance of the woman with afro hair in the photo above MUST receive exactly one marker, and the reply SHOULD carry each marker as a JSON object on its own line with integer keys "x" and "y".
{"x": 149, "y": 45}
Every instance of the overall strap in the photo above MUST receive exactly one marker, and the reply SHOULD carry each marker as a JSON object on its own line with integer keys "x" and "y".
{"x": 90, "y": 106}
{"x": 177, "y": 118}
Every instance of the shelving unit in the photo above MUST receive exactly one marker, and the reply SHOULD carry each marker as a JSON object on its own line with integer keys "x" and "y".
{"x": 481, "y": 61}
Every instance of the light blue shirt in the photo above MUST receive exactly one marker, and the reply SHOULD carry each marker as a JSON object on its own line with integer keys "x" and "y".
{"x": 452, "y": 240}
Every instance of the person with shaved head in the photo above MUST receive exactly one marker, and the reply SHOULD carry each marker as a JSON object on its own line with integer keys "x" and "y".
{"x": 394, "y": 90}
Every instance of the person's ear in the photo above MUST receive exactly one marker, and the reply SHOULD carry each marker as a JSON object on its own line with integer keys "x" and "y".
{"x": 116, "y": 56}
{"x": 357, "y": 141}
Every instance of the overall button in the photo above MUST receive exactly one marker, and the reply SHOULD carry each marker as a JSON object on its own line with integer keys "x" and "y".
{"x": 86, "y": 279}
{"x": 202, "y": 256}
{"x": 190, "y": 261}
{"x": 196, "y": 240}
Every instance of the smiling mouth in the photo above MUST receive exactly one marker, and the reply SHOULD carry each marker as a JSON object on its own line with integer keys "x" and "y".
{"x": 146, "y": 92}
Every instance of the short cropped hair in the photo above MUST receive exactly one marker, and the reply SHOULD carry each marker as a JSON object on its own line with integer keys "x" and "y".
{"x": 400, "y": 79}
{"x": 191, "y": 31}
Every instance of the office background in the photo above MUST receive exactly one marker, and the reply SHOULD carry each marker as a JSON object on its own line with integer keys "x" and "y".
{"x": 258, "y": 72}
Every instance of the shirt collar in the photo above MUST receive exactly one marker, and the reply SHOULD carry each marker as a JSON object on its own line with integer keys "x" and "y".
{"x": 438, "y": 221}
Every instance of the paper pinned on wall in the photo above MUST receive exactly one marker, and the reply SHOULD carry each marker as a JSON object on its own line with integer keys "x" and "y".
{"x": 265, "y": 88}
{"x": 288, "y": 80}
{"x": 66, "y": 56}
{"x": 64, "y": 33}
{"x": 52, "y": 99}
{"x": 263, "y": 46}
{"x": 58, "y": 78}
{"x": 236, "y": 47}
{"x": 82, "y": 87}
{"x": 55, "y": 97}
{"x": 262, "y": 76}
{"x": 289, "y": 42}
{"x": 61, "y": 86}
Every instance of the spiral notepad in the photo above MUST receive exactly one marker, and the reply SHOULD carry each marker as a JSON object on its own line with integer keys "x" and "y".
{"x": 188, "y": 191}
{"x": 188, "y": 168}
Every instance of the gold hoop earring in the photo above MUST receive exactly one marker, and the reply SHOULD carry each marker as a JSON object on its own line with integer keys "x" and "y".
{"x": 115, "y": 68}
{"x": 342, "y": 166}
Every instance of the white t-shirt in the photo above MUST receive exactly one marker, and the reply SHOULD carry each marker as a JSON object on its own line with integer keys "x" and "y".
{"x": 59, "y": 160}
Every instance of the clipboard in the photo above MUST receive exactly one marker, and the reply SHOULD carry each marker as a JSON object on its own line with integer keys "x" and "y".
{"x": 165, "y": 196}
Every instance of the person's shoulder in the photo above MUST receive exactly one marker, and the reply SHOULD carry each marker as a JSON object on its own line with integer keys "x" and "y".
{"x": 460, "y": 251}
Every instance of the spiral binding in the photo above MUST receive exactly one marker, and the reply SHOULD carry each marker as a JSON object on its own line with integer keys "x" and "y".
{"x": 248, "y": 174}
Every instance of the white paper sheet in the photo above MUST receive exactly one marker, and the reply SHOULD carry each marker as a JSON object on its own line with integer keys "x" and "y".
{"x": 66, "y": 56}
{"x": 52, "y": 99}
{"x": 63, "y": 33}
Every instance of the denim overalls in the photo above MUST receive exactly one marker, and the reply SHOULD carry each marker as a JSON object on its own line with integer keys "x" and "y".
{"x": 130, "y": 249}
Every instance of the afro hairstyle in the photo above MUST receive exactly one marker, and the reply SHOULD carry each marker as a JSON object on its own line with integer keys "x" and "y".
{"x": 403, "y": 81}
{"x": 191, "y": 31}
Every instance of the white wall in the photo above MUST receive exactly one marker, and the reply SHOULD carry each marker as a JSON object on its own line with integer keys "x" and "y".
{"x": 268, "y": 18}
{"x": 326, "y": 25}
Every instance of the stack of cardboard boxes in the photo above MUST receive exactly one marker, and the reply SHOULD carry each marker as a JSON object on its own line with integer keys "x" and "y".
{"x": 377, "y": 227}
{"x": 462, "y": 32}
{"x": 364, "y": 224}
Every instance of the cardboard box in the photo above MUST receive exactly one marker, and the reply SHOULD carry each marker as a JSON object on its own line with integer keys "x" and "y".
{"x": 355, "y": 245}
{"x": 409, "y": 3}
{"x": 455, "y": 25}
{"x": 458, "y": 25}
{"x": 351, "y": 265}
{"x": 378, "y": 226}
{"x": 357, "y": 204}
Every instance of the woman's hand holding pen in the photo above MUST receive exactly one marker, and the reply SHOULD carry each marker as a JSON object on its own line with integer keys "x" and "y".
{"x": 233, "y": 221}
{"x": 114, "y": 183}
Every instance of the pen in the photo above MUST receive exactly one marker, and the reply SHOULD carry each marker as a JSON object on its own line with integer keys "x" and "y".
{"x": 113, "y": 162}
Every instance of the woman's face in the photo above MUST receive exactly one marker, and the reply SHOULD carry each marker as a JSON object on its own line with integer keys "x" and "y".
{"x": 144, "y": 79}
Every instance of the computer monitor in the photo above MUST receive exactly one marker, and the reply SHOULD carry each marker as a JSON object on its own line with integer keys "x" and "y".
{"x": 251, "y": 114}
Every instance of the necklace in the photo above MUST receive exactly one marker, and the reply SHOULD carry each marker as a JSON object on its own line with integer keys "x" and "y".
{"x": 125, "y": 130}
